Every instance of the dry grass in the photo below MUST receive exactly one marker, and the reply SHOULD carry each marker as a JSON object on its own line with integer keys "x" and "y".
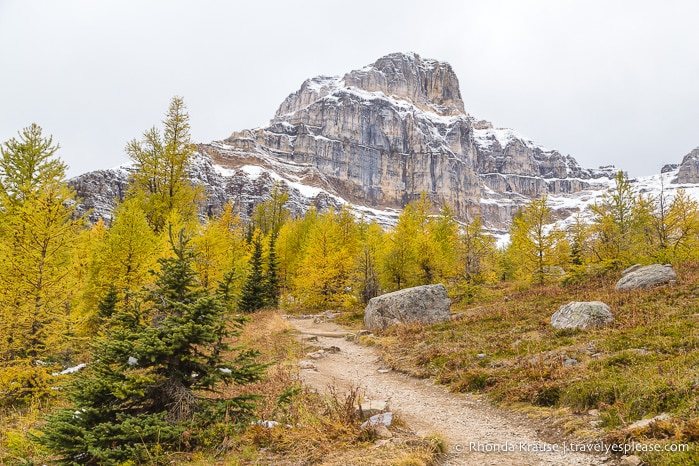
{"x": 645, "y": 364}
{"x": 15, "y": 427}
{"x": 313, "y": 428}
{"x": 269, "y": 333}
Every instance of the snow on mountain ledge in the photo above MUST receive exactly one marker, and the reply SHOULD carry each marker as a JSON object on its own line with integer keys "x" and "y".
{"x": 485, "y": 138}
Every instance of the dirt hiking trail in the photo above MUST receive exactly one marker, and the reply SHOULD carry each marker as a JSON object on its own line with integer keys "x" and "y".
{"x": 462, "y": 420}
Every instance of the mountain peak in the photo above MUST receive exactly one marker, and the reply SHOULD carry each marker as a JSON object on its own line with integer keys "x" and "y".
{"x": 427, "y": 84}
{"x": 382, "y": 135}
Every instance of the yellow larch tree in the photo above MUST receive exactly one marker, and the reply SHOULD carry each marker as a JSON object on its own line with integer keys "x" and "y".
{"x": 535, "y": 244}
{"x": 124, "y": 256}
{"x": 220, "y": 248}
{"x": 163, "y": 161}
{"x": 325, "y": 271}
{"x": 290, "y": 247}
{"x": 39, "y": 233}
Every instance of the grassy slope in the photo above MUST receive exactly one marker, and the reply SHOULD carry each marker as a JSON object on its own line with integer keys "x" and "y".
{"x": 645, "y": 364}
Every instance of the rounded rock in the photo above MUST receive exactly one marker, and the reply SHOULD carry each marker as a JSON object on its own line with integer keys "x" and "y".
{"x": 582, "y": 315}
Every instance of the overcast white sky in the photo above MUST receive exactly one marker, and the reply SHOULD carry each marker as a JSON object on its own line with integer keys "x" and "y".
{"x": 609, "y": 82}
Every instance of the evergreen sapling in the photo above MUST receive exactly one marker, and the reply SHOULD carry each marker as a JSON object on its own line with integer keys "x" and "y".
{"x": 151, "y": 372}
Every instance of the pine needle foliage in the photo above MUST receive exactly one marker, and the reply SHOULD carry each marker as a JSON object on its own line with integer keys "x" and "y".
{"x": 163, "y": 160}
{"x": 272, "y": 277}
{"x": 152, "y": 387}
{"x": 253, "y": 295}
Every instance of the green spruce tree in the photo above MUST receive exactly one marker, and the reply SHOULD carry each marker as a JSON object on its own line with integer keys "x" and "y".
{"x": 152, "y": 375}
{"x": 107, "y": 305}
{"x": 271, "y": 276}
{"x": 253, "y": 294}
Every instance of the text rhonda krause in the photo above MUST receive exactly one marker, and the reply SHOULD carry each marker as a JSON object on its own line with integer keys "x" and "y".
{"x": 599, "y": 447}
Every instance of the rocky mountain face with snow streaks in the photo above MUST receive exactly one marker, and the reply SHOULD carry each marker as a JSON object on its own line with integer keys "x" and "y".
{"x": 689, "y": 168}
{"x": 377, "y": 138}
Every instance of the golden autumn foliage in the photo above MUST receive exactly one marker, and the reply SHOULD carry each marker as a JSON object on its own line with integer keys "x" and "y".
{"x": 535, "y": 247}
{"x": 220, "y": 247}
{"x": 161, "y": 182}
{"x": 122, "y": 256}
{"x": 324, "y": 275}
{"x": 59, "y": 275}
{"x": 38, "y": 239}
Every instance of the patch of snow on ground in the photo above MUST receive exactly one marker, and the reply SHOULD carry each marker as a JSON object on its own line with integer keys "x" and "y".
{"x": 653, "y": 185}
{"x": 305, "y": 190}
{"x": 582, "y": 201}
{"x": 70, "y": 370}
{"x": 502, "y": 240}
{"x": 648, "y": 185}
{"x": 382, "y": 217}
{"x": 387, "y": 217}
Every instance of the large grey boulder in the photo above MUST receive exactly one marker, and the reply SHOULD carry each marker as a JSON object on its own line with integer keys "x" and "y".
{"x": 582, "y": 315}
{"x": 427, "y": 304}
{"x": 636, "y": 277}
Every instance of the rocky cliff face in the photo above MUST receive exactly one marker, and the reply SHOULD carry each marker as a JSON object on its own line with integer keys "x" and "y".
{"x": 100, "y": 191}
{"x": 428, "y": 85}
{"x": 377, "y": 138}
{"x": 689, "y": 168}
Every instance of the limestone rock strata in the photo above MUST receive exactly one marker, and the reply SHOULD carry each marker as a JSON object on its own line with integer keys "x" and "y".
{"x": 375, "y": 152}
{"x": 99, "y": 192}
{"x": 689, "y": 168}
